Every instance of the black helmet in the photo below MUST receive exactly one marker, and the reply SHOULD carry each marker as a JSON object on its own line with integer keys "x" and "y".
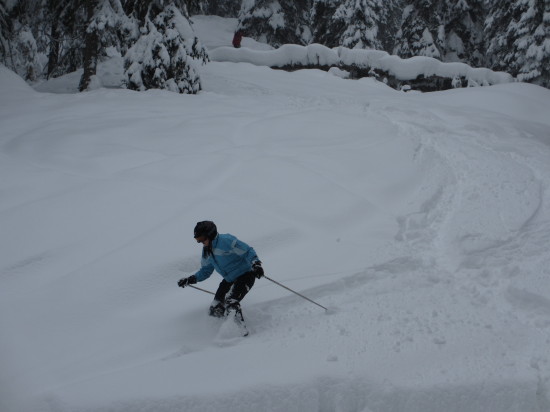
{"x": 205, "y": 228}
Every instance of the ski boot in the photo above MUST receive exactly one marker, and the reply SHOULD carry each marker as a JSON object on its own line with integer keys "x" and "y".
{"x": 217, "y": 309}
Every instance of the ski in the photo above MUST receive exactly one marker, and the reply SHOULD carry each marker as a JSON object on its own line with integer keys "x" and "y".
{"x": 239, "y": 320}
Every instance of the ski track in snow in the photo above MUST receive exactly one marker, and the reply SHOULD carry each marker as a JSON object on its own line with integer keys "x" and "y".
{"x": 424, "y": 227}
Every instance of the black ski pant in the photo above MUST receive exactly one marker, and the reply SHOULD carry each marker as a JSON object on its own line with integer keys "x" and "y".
{"x": 231, "y": 293}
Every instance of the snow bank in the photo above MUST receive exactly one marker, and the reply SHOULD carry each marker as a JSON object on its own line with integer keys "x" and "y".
{"x": 286, "y": 55}
{"x": 12, "y": 84}
{"x": 409, "y": 69}
{"x": 364, "y": 62}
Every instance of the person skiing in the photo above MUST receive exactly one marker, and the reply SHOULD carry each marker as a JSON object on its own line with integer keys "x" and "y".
{"x": 234, "y": 260}
{"x": 237, "y": 39}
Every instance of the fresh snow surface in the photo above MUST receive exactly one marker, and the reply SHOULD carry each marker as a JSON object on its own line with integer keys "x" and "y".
{"x": 422, "y": 221}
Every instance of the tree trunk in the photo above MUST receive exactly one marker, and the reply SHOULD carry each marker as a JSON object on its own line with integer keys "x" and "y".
{"x": 91, "y": 49}
{"x": 53, "y": 54}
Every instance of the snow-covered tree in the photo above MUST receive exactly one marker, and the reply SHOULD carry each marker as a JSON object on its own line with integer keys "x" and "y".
{"x": 50, "y": 38}
{"x": 165, "y": 55}
{"x": 276, "y": 22}
{"x": 197, "y": 6}
{"x": 66, "y": 19}
{"x": 223, "y": 8}
{"x": 105, "y": 18}
{"x": 354, "y": 23}
{"x": 5, "y": 30}
{"x": 498, "y": 34}
{"x": 464, "y": 21}
{"x": 502, "y": 29}
{"x": 518, "y": 38}
{"x": 23, "y": 45}
{"x": 324, "y": 31}
{"x": 389, "y": 18}
{"x": 26, "y": 61}
{"x": 534, "y": 46}
{"x": 422, "y": 31}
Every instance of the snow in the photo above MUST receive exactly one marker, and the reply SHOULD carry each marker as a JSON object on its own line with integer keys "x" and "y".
{"x": 288, "y": 54}
{"x": 110, "y": 74}
{"x": 421, "y": 220}
{"x": 402, "y": 69}
{"x": 219, "y": 45}
{"x": 217, "y": 31}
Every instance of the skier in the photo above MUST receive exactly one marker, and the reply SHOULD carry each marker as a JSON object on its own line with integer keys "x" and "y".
{"x": 237, "y": 39}
{"x": 234, "y": 260}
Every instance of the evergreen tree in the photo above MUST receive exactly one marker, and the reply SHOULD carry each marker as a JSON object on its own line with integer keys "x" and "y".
{"x": 389, "y": 14}
{"x": 518, "y": 38}
{"x": 105, "y": 19}
{"x": 197, "y": 6}
{"x": 464, "y": 21}
{"x": 56, "y": 30}
{"x": 5, "y": 29}
{"x": 66, "y": 18}
{"x": 92, "y": 46}
{"x": 323, "y": 27}
{"x": 44, "y": 38}
{"x": 534, "y": 46}
{"x": 355, "y": 23}
{"x": 26, "y": 61}
{"x": 22, "y": 52}
{"x": 422, "y": 31}
{"x": 164, "y": 55}
{"x": 276, "y": 22}
{"x": 223, "y": 8}
{"x": 503, "y": 30}
{"x": 497, "y": 33}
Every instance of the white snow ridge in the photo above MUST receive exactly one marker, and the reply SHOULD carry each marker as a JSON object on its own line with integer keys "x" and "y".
{"x": 421, "y": 220}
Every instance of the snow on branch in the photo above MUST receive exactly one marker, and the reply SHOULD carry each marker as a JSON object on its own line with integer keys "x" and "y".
{"x": 422, "y": 73}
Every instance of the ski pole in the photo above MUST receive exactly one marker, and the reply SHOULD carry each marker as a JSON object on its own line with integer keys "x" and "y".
{"x": 302, "y": 296}
{"x": 202, "y": 290}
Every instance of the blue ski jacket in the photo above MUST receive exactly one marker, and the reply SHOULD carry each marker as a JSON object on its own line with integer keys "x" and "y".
{"x": 230, "y": 257}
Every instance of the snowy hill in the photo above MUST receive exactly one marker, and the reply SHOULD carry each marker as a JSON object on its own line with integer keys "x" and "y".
{"x": 421, "y": 220}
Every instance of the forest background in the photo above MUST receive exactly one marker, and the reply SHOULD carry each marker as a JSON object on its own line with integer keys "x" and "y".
{"x": 49, "y": 38}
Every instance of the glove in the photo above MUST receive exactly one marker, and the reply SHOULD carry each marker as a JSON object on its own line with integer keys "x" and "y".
{"x": 257, "y": 269}
{"x": 183, "y": 282}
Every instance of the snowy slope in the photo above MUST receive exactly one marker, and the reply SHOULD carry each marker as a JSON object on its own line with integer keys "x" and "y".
{"x": 421, "y": 220}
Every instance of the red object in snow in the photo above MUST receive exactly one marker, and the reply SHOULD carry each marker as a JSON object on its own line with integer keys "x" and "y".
{"x": 237, "y": 39}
